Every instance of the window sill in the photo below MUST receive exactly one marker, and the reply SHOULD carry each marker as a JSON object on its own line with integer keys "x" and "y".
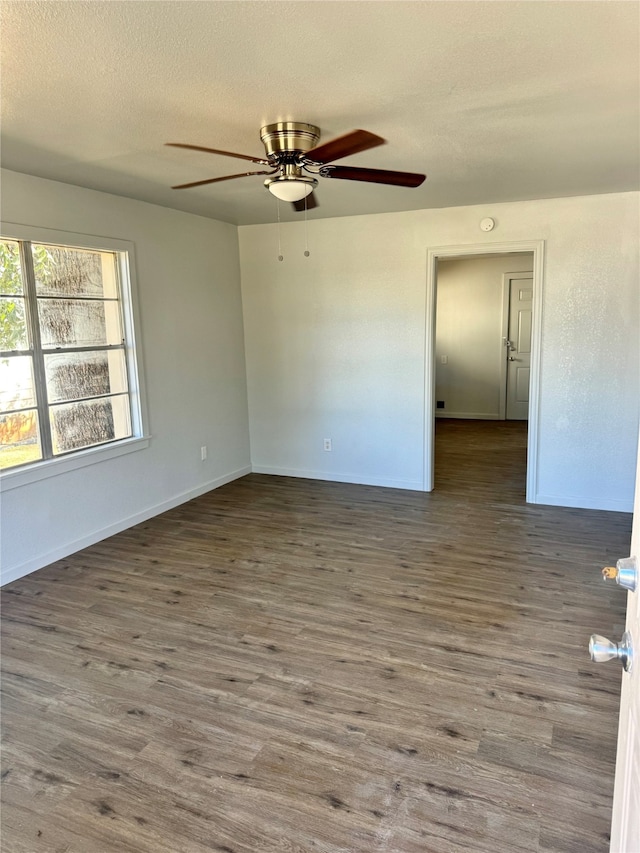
{"x": 13, "y": 479}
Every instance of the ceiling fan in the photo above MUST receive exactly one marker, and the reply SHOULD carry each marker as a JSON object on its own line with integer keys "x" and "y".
{"x": 292, "y": 149}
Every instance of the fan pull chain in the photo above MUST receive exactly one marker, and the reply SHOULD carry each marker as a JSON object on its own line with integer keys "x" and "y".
{"x": 280, "y": 255}
{"x": 306, "y": 232}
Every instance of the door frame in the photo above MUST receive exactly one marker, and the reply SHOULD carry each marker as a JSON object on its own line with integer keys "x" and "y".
{"x": 507, "y": 278}
{"x": 536, "y": 247}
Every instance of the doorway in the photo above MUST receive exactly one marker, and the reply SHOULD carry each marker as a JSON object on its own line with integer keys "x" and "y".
{"x": 486, "y": 372}
{"x": 483, "y": 337}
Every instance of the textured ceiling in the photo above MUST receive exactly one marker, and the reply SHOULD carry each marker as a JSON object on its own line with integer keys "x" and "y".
{"x": 495, "y": 101}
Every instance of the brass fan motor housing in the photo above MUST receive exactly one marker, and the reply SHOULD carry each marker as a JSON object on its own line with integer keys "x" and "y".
{"x": 289, "y": 137}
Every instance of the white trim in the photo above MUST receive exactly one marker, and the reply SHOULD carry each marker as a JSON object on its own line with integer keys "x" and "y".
{"x": 506, "y": 304}
{"x": 12, "y": 478}
{"x": 356, "y": 479}
{"x": 429, "y": 361}
{"x": 124, "y": 524}
{"x": 70, "y": 239}
{"x": 462, "y": 251}
{"x": 473, "y": 416}
{"x": 578, "y": 502}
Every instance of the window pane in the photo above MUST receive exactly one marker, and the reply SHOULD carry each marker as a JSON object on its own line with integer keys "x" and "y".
{"x": 75, "y": 346}
{"x": 61, "y": 271}
{"x": 19, "y": 439}
{"x": 10, "y": 267}
{"x": 17, "y": 389}
{"x": 78, "y": 323}
{"x": 13, "y": 324}
{"x": 73, "y": 375}
{"x": 77, "y": 425}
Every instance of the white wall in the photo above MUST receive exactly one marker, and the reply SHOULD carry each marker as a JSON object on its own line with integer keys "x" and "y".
{"x": 335, "y": 348}
{"x": 193, "y": 355}
{"x": 335, "y": 343}
{"x": 469, "y": 334}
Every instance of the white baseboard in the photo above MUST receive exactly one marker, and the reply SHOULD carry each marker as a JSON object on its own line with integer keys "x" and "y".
{"x": 42, "y": 560}
{"x": 608, "y": 504}
{"x": 357, "y": 479}
{"x": 472, "y": 416}
{"x": 16, "y": 572}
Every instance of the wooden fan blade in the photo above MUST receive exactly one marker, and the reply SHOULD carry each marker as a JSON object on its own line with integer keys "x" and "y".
{"x": 343, "y": 146}
{"x": 310, "y": 200}
{"x": 215, "y": 180}
{"x": 374, "y": 176}
{"x": 260, "y": 160}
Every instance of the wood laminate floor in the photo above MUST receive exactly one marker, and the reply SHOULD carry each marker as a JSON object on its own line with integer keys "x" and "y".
{"x": 314, "y": 667}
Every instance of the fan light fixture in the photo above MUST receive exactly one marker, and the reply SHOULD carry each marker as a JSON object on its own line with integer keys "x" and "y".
{"x": 291, "y": 187}
{"x": 291, "y": 147}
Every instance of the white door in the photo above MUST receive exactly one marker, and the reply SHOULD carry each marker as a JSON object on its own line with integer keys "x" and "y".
{"x": 625, "y": 825}
{"x": 518, "y": 349}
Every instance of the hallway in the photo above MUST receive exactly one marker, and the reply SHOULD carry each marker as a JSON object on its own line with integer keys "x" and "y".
{"x": 473, "y": 457}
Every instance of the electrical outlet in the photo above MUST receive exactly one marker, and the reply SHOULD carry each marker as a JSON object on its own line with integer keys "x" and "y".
{"x": 203, "y": 452}
{"x": 327, "y": 444}
{"x": 439, "y": 404}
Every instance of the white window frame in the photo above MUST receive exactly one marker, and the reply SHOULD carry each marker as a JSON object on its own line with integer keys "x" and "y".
{"x": 12, "y": 478}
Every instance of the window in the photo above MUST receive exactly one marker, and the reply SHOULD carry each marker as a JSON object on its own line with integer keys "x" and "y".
{"x": 67, "y": 361}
